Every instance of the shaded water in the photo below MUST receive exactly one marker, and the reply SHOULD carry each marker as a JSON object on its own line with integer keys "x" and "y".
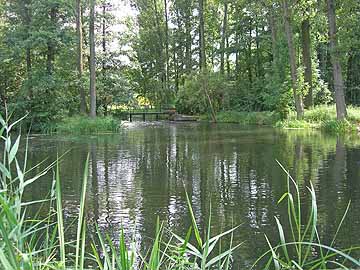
{"x": 140, "y": 174}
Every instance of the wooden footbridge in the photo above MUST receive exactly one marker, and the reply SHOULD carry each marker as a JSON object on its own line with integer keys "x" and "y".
{"x": 144, "y": 113}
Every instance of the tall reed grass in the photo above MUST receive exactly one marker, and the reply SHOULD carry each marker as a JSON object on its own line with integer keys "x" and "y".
{"x": 40, "y": 241}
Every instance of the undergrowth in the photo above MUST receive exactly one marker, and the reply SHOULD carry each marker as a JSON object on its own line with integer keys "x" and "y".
{"x": 321, "y": 117}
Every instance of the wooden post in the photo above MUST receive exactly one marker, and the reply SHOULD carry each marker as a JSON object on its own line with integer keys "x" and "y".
{"x": 144, "y": 117}
{"x": 130, "y": 117}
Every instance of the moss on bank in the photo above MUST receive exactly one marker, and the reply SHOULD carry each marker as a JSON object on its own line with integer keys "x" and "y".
{"x": 321, "y": 117}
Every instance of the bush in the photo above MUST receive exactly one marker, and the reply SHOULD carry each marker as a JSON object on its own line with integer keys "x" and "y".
{"x": 86, "y": 125}
{"x": 191, "y": 97}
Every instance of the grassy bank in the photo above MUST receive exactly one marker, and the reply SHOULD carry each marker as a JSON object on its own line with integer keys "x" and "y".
{"x": 321, "y": 117}
{"x": 42, "y": 242}
{"x": 86, "y": 125}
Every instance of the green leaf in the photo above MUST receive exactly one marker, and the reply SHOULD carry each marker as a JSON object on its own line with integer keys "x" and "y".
{"x": 14, "y": 150}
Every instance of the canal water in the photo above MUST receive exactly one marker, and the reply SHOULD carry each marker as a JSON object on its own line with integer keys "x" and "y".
{"x": 142, "y": 173}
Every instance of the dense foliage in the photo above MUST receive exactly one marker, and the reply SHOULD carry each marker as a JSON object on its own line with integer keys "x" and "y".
{"x": 203, "y": 56}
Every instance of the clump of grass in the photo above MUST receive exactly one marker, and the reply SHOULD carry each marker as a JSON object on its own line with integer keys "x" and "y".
{"x": 295, "y": 124}
{"x": 247, "y": 118}
{"x": 87, "y": 125}
{"x": 302, "y": 248}
{"x": 323, "y": 117}
{"x": 336, "y": 126}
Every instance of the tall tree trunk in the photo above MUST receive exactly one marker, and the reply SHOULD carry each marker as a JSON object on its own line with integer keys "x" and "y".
{"x": 306, "y": 54}
{"x": 103, "y": 101}
{"x": 335, "y": 60}
{"x": 249, "y": 56}
{"x": 203, "y": 68}
{"x": 292, "y": 57}
{"x": 228, "y": 67}
{"x": 167, "y": 67}
{"x": 188, "y": 38}
{"x": 202, "y": 60}
{"x": 273, "y": 29}
{"x": 50, "y": 44}
{"x": 80, "y": 65}
{"x": 92, "y": 60}
{"x": 27, "y": 15}
{"x": 103, "y": 38}
{"x": 223, "y": 38}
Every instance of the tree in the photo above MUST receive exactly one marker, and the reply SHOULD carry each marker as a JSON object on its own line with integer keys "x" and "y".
{"x": 335, "y": 60}
{"x": 203, "y": 66}
{"x": 92, "y": 60}
{"x": 80, "y": 64}
{"x": 306, "y": 55}
{"x": 292, "y": 58}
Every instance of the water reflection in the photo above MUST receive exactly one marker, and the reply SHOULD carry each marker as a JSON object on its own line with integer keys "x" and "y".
{"x": 141, "y": 173}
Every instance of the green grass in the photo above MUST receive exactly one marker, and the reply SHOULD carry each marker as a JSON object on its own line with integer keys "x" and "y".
{"x": 40, "y": 242}
{"x": 246, "y": 118}
{"x": 324, "y": 117}
{"x": 87, "y": 125}
{"x": 321, "y": 117}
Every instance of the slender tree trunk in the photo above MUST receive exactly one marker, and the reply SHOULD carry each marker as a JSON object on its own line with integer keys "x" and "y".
{"x": 228, "y": 68}
{"x": 202, "y": 50}
{"x": 104, "y": 38}
{"x": 27, "y": 14}
{"x": 50, "y": 44}
{"x": 306, "y": 53}
{"x": 335, "y": 60}
{"x": 203, "y": 67}
{"x": 188, "y": 41}
{"x": 273, "y": 39}
{"x": 292, "y": 57}
{"x": 223, "y": 38}
{"x": 167, "y": 67}
{"x": 249, "y": 56}
{"x": 92, "y": 60}
{"x": 257, "y": 42}
{"x": 80, "y": 65}
{"x": 104, "y": 100}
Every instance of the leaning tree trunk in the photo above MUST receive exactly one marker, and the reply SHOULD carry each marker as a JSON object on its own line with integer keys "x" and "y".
{"x": 80, "y": 65}
{"x": 335, "y": 60}
{"x": 292, "y": 57}
{"x": 306, "y": 53}
{"x": 92, "y": 60}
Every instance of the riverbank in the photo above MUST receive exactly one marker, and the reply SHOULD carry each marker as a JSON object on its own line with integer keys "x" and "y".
{"x": 321, "y": 117}
{"x": 85, "y": 125}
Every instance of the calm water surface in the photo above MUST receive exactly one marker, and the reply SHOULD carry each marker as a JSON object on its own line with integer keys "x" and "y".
{"x": 139, "y": 175}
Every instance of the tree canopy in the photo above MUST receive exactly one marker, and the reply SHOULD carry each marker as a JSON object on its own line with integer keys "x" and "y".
{"x": 201, "y": 56}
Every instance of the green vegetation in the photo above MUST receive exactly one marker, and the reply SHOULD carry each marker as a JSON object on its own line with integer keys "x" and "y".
{"x": 324, "y": 117}
{"x": 321, "y": 117}
{"x": 302, "y": 248}
{"x": 87, "y": 125}
{"x": 206, "y": 57}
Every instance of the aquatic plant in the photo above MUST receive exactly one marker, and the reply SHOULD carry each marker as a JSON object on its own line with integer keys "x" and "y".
{"x": 303, "y": 249}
